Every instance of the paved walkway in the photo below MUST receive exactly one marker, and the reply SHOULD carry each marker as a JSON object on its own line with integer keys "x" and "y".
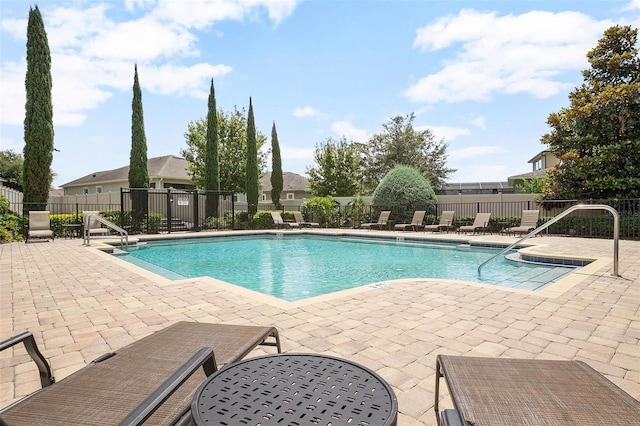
{"x": 81, "y": 303}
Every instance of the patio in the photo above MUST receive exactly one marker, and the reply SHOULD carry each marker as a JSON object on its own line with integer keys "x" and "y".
{"x": 80, "y": 303}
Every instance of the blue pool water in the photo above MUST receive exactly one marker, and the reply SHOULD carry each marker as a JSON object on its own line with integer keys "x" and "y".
{"x": 298, "y": 267}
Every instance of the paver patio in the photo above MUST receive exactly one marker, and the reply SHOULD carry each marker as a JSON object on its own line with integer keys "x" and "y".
{"x": 81, "y": 303}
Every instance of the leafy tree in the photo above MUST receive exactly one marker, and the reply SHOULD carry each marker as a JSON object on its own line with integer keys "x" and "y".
{"x": 232, "y": 149}
{"x": 11, "y": 165}
{"x": 138, "y": 172}
{"x": 404, "y": 190}
{"x": 38, "y": 120}
{"x": 252, "y": 188}
{"x": 336, "y": 169}
{"x": 211, "y": 166}
{"x": 276, "y": 169}
{"x": 597, "y": 138}
{"x": 535, "y": 185}
{"x": 400, "y": 144}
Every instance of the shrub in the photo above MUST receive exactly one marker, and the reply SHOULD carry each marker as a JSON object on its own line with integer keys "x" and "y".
{"x": 403, "y": 190}
{"x": 12, "y": 226}
{"x": 324, "y": 210}
{"x": 355, "y": 212}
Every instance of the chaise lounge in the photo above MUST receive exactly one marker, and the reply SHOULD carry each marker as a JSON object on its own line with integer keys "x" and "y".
{"x": 382, "y": 221}
{"x": 528, "y": 223}
{"x": 507, "y": 391}
{"x": 112, "y": 386}
{"x": 446, "y": 222}
{"x": 39, "y": 226}
{"x": 301, "y": 222}
{"x": 481, "y": 223}
{"x": 279, "y": 223}
{"x": 416, "y": 222}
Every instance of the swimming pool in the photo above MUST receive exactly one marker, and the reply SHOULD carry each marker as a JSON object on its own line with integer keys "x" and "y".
{"x": 300, "y": 266}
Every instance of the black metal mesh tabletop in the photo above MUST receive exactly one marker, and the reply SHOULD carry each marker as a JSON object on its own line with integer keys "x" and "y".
{"x": 295, "y": 389}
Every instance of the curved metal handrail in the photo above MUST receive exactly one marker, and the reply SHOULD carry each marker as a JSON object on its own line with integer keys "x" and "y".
{"x": 616, "y": 231}
{"x": 123, "y": 233}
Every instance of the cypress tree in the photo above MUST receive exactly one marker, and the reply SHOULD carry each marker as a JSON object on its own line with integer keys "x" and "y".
{"x": 211, "y": 162}
{"x": 138, "y": 172}
{"x": 276, "y": 169}
{"x": 38, "y": 120}
{"x": 253, "y": 185}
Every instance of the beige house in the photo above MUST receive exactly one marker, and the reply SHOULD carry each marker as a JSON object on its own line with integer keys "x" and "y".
{"x": 542, "y": 162}
{"x": 169, "y": 171}
{"x": 294, "y": 187}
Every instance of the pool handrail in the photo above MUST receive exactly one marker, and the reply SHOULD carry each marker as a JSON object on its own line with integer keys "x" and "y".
{"x": 616, "y": 231}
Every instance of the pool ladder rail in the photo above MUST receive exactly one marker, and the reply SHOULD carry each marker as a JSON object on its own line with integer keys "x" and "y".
{"x": 86, "y": 238}
{"x": 616, "y": 232}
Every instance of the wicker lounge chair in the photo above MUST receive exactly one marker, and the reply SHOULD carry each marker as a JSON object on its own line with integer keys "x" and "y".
{"x": 300, "y": 221}
{"x": 500, "y": 391}
{"x": 528, "y": 223}
{"x": 481, "y": 223}
{"x": 446, "y": 222}
{"x": 382, "y": 221}
{"x": 277, "y": 220}
{"x": 416, "y": 222}
{"x": 39, "y": 226}
{"x": 112, "y": 386}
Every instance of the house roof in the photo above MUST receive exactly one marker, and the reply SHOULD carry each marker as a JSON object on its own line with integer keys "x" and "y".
{"x": 290, "y": 182}
{"x": 167, "y": 167}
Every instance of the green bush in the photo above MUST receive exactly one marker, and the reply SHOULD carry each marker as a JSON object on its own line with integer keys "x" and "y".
{"x": 355, "y": 213}
{"x": 403, "y": 191}
{"x": 263, "y": 220}
{"x": 324, "y": 210}
{"x": 12, "y": 226}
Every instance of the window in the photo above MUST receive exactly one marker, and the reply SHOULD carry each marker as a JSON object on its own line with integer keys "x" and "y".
{"x": 290, "y": 196}
{"x": 85, "y": 190}
{"x": 98, "y": 190}
{"x": 263, "y": 197}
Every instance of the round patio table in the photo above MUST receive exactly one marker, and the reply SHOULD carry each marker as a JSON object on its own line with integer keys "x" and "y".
{"x": 295, "y": 389}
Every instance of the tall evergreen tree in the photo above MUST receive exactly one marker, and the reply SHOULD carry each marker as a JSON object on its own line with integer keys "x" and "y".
{"x": 138, "y": 171}
{"x": 211, "y": 162}
{"x": 253, "y": 184}
{"x": 38, "y": 120}
{"x": 276, "y": 169}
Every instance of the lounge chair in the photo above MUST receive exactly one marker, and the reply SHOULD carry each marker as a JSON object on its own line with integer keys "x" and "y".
{"x": 481, "y": 223}
{"x": 416, "y": 222}
{"x": 446, "y": 222}
{"x": 506, "y": 391}
{"x": 300, "y": 221}
{"x": 528, "y": 223}
{"x": 39, "y": 226}
{"x": 112, "y": 386}
{"x": 277, "y": 220}
{"x": 382, "y": 221}
{"x": 91, "y": 225}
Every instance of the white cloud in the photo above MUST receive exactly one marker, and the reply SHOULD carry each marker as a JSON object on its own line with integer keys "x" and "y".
{"x": 305, "y": 112}
{"x": 504, "y": 54}
{"x": 297, "y": 153}
{"x": 181, "y": 80}
{"x": 349, "y": 131}
{"x": 10, "y": 144}
{"x": 445, "y": 132}
{"x": 480, "y": 121}
{"x": 201, "y": 14}
{"x": 633, "y": 5}
{"x": 13, "y": 92}
{"x": 474, "y": 152}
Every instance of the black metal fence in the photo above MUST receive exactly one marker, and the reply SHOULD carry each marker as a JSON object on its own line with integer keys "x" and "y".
{"x": 170, "y": 210}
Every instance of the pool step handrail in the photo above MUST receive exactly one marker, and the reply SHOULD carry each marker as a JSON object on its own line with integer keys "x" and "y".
{"x": 616, "y": 231}
{"x": 124, "y": 235}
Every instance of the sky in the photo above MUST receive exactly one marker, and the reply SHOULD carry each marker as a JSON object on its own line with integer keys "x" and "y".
{"x": 482, "y": 75}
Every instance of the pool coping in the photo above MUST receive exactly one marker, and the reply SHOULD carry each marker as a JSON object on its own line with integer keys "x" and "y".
{"x": 533, "y": 249}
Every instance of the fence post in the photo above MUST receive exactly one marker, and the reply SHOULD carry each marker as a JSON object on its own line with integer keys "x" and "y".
{"x": 169, "y": 213}
{"x": 196, "y": 219}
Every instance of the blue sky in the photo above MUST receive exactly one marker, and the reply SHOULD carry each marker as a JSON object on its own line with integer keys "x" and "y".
{"x": 482, "y": 75}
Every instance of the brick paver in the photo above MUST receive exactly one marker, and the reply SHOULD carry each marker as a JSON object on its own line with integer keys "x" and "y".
{"x": 81, "y": 303}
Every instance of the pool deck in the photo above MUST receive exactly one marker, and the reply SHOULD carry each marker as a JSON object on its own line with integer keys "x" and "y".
{"x": 80, "y": 303}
